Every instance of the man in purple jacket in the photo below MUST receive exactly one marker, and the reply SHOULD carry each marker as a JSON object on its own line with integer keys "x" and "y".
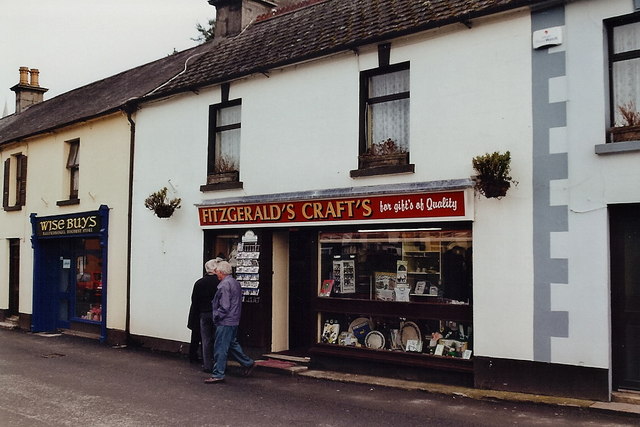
{"x": 227, "y": 306}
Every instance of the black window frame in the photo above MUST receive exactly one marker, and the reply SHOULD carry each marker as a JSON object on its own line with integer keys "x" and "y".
{"x": 364, "y": 126}
{"x": 610, "y": 25}
{"x": 214, "y": 138}
{"x": 20, "y": 183}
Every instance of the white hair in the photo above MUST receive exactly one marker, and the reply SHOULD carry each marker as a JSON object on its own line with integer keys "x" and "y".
{"x": 224, "y": 267}
{"x": 210, "y": 266}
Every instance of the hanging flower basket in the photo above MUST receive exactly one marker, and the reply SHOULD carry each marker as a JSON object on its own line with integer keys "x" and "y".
{"x": 161, "y": 205}
{"x": 493, "y": 179}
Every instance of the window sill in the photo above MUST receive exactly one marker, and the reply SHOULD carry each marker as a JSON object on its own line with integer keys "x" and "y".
{"x": 221, "y": 186}
{"x": 617, "y": 147}
{"x": 68, "y": 202}
{"x": 383, "y": 170}
{"x": 13, "y": 208}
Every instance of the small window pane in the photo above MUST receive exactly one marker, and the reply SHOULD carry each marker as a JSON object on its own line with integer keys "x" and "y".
{"x": 228, "y": 151}
{"x": 74, "y": 156}
{"x": 229, "y": 115}
{"x": 626, "y": 37}
{"x": 626, "y": 86}
{"x": 390, "y": 83}
{"x": 390, "y": 120}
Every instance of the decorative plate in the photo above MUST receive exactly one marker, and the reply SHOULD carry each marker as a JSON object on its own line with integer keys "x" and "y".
{"x": 360, "y": 327}
{"x": 409, "y": 331}
{"x": 374, "y": 339}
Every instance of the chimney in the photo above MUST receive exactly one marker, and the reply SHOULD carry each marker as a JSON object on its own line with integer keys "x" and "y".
{"x": 232, "y": 16}
{"x": 28, "y": 90}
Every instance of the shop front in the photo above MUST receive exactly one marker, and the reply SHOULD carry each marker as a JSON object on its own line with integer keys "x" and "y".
{"x": 70, "y": 265}
{"x": 366, "y": 282}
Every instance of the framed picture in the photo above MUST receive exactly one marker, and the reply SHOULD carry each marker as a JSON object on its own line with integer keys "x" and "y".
{"x": 421, "y": 285}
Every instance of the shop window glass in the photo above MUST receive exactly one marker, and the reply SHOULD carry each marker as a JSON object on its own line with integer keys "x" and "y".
{"x": 394, "y": 283}
{"x": 88, "y": 270}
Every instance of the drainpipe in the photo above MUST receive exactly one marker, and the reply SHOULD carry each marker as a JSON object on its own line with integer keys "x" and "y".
{"x": 129, "y": 108}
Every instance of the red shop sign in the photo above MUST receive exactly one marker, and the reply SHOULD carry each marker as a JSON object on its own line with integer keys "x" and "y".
{"x": 399, "y": 206}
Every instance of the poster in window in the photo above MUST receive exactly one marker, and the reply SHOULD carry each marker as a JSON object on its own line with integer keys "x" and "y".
{"x": 325, "y": 288}
{"x": 385, "y": 284}
{"x": 401, "y": 274}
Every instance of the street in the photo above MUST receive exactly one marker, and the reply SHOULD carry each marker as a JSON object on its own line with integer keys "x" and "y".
{"x": 71, "y": 381}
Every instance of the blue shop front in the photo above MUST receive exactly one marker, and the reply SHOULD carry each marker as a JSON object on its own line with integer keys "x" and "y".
{"x": 70, "y": 271}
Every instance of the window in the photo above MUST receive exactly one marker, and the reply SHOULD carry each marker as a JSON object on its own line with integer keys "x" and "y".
{"x": 73, "y": 166}
{"x": 386, "y": 289}
{"x": 223, "y": 158}
{"x": 624, "y": 68}
{"x": 384, "y": 119}
{"x": 15, "y": 175}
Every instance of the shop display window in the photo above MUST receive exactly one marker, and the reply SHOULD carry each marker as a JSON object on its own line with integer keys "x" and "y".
{"x": 88, "y": 269}
{"x": 397, "y": 290}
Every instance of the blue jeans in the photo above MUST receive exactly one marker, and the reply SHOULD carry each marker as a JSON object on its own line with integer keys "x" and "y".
{"x": 206, "y": 336}
{"x": 226, "y": 343}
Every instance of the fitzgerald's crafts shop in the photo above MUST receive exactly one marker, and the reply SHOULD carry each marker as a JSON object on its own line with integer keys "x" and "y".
{"x": 365, "y": 278}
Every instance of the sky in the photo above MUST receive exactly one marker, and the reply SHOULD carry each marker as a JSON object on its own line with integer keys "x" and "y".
{"x": 76, "y": 42}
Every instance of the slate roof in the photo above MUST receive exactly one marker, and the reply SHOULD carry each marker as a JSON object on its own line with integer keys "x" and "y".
{"x": 320, "y": 28}
{"x": 93, "y": 100}
{"x": 326, "y": 27}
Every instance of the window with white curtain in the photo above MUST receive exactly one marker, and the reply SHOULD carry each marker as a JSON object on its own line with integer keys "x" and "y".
{"x": 385, "y": 107}
{"x": 624, "y": 65}
{"x": 224, "y": 138}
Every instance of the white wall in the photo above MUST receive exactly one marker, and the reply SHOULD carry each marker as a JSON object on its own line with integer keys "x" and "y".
{"x": 104, "y": 165}
{"x": 594, "y": 182}
{"x": 470, "y": 94}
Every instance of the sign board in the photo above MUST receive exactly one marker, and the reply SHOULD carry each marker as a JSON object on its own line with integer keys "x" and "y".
{"x": 547, "y": 37}
{"x": 387, "y": 207}
{"x": 87, "y": 222}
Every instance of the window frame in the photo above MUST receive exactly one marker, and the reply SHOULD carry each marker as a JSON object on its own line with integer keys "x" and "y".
{"x": 613, "y": 57}
{"x": 366, "y": 101}
{"x": 214, "y": 139}
{"x": 73, "y": 167}
{"x": 18, "y": 181}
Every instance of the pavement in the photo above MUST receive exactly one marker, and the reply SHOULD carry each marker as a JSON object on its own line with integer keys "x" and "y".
{"x": 623, "y": 403}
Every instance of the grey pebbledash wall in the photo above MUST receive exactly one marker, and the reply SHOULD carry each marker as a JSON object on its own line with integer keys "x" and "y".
{"x": 549, "y": 121}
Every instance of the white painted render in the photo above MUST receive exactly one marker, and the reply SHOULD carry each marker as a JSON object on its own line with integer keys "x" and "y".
{"x": 470, "y": 94}
{"x": 104, "y": 179}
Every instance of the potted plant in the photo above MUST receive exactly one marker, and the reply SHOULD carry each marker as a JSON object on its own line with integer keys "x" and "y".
{"x": 161, "y": 205}
{"x": 493, "y": 179}
{"x": 629, "y": 129}
{"x": 225, "y": 170}
{"x": 384, "y": 153}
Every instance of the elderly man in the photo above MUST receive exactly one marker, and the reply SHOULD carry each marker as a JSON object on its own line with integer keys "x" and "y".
{"x": 227, "y": 306}
{"x": 203, "y": 291}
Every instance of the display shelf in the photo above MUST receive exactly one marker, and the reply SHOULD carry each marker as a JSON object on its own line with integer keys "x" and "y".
{"x": 394, "y": 357}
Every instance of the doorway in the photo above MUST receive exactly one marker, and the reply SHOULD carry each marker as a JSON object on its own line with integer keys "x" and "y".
{"x": 68, "y": 284}
{"x": 624, "y": 223}
{"x": 14, "y": 277}
{"x": 303, "y": 278}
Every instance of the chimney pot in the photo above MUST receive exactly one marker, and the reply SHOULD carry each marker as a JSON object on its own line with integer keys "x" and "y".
{"x": 34, "y": 77}
{"x": 24, "y": 71}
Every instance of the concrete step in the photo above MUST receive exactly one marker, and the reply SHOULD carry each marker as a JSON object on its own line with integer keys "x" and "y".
{"x": 626, "y": 396}
{"x": 287, "y": 358}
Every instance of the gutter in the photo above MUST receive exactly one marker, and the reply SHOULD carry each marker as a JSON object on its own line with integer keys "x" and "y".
{"x": 129, "y": 108}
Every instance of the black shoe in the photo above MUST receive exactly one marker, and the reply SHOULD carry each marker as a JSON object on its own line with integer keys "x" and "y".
{"x": 208, "y": 371}
{"x": 248, "y": 370}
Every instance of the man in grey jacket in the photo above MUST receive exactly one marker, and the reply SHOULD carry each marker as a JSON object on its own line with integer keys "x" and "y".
{"x": 227, "y": 307}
